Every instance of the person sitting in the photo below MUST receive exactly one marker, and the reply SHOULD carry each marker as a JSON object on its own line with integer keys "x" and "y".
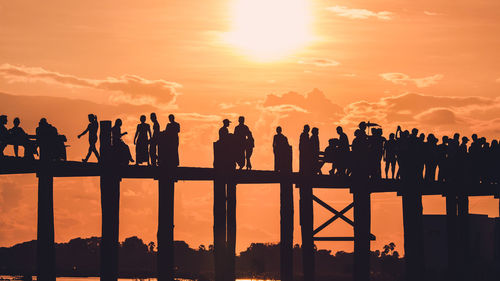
{"x": 17, "y": 136}
{"x": 331, "y": 153}
{"x": 120, "y": 147}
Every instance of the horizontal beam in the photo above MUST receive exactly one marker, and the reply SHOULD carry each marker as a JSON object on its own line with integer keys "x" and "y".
{"x": 12, "y": 165}
{"x": 372, "y": 237}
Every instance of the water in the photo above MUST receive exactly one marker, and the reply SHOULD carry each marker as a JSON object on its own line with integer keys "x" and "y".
{"x": 5, "y": 277}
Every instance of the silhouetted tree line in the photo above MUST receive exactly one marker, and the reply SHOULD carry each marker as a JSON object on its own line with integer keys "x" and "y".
{"x": 81, "y": 257}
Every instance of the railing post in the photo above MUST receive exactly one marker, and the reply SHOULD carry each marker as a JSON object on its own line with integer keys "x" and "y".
{"x": 413, "y": 235}
{"x": 362, "y": 223}
{"x": 286, "y": 215}
{"x": 165, "y": 235}
{"x": 110, "y": 206}
{"x": 464, "y": 238}
{"x": 45, "y": 233}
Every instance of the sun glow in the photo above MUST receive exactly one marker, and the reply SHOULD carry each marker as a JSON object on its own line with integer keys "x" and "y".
{"x": 268, "y": 30}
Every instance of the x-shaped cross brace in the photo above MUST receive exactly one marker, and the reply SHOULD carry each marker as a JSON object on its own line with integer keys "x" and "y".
{"x": 337, "y": 215}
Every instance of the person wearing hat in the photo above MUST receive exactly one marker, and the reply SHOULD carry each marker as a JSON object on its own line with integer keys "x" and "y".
{"x": 224, "y": 131}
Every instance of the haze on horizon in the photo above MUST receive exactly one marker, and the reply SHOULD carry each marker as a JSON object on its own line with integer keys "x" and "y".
{"x": 427, "y": 64}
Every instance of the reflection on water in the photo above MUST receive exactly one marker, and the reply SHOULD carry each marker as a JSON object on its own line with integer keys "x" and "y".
{"x": 4, "y": 277}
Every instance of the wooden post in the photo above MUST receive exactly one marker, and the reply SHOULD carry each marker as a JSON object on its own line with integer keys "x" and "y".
{"x": 464, "y": 239}
{"x": 362, "y": 221}
{"x": 45, "y": 233}
{"x": 231, "y": 231}
{"x": 165, "y": 235}
{"x": 413, "y": 235}
{"x": 286, "y": 215}
{"x": 451, "y": 228}
{"x": 219, "y": 217}
{"x": 306, "y": 223}
{"x": 110, "y": 206}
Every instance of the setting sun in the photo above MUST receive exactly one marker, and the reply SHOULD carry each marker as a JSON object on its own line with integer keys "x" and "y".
{"x": 269, "y": 30}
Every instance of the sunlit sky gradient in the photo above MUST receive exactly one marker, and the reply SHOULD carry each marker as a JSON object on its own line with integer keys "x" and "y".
{"x": 427, "y": 64}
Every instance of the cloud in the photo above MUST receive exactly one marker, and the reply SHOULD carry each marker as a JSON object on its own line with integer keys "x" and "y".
{"x": 404, "y": 79}
{"x": 432, "y": 13}
{"x": 124, "y": 89}
{"x": 321, "y": 62}
{"x": 344, "y": 11}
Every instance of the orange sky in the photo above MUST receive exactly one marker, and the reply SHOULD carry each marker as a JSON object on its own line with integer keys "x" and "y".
{"x": 427, "y": 64}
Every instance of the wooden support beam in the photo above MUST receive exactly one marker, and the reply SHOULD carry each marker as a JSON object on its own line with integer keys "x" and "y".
{"x": 231, "y": 231}
{"x": 165, "y": 236}
{"x": 45, "y": 233}
{"x": 306, "y": 223}
{"x": 362, "y": 222}
{"x": 219, "y": 229}
{"x": 451, "y": 229}
{"x": 413, "y": 236}
{"x": 286, "y": 219}
{"x": 464, "y": 237}
{"x": 110, "y": 206}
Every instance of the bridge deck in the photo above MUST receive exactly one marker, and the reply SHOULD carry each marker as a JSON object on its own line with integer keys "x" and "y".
{"x": 12, "y": 165}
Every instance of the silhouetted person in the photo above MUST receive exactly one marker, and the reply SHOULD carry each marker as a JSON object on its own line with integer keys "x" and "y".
{"x": 390, "y": 148}
{"x": 280, "y": 149}
{"x": 121, "y": 148}
{"x": 18, "y": 136}
{"x": 153, "y": 142}
{"x": 315, "y": 149}
{"x": 4, "y": 133}
{"x": 359, "y": 154}
{"x": 249, "y": 145}
{"x": 404, "y": 153}
{"x": 305, "y": 151}
{"x": 48, "y": 141}
{"x": 169, "y": 144}
{"x": 92, "y": 128}
{"x": 241, "y": 133}
{"x": 331, "y": 154}
{"x": 431, "y": 154}
{"x": 375, "y": 152}
{"x": 462, "y": 159}
{"x": 475, "y": 158}
{"x": 342, "y": 161}
{"x": 443, "y": 160}
{"x": 141, "y": 141}
{"x": 224, "y": 131}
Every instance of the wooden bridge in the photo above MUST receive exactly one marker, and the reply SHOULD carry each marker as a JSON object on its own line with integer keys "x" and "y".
{"x": 225, "y": 181}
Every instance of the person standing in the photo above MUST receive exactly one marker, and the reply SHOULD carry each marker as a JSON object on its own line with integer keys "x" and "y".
{"x": 141, "y": 139}
{"x": 153, "y": 142}
{"x": 316, "y": 165}
{"x": 18, "y": 137}
{"x": 305, "y": 151}
{"x": 280, "y": 146}
{"x": 169, "y": 148}
{"x": 241, "y": 133}
{"x": 92, "y": 128}
{"x": 249, "y": 145}
{"x": 4, "y": 133}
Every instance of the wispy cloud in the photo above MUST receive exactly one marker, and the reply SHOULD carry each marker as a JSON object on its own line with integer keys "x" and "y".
{"x": 432, "y": 13}
{"x": 131, "y": 88}
{"x": 351, "y": 13}
{"x": 321, "y": 62}
{"x": 404, "y": 79}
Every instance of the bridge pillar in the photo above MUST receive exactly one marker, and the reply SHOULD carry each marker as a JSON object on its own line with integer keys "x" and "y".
{"x": 464, "y": 238}
{"x": 110, "y": 206}
{"x": 413, "y": 235}
{"x": 286, "y": 219}
{"x": 306, "y": 223}
{"x": 451, "y": 229}
{"x": 45, "y": 233}
{"x": 362, "y": 225}
{"x": 231, "y": 230}
{"x": 165, "y": 235}
{"x": 219, "y": 229}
